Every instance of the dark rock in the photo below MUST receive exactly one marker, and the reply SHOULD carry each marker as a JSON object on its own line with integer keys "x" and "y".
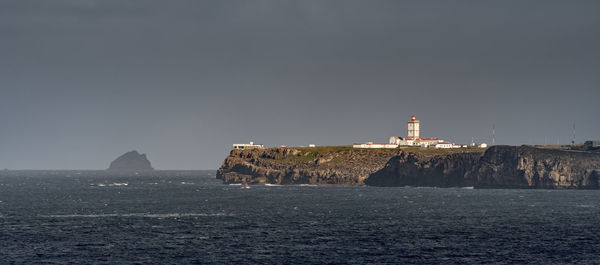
{"x": 333, "y": 166}
{"x": 413, "y": 169}
{"x": 498, "y": 167}
{"x": 131, "y": 161}
{"x": 530, "y": 167}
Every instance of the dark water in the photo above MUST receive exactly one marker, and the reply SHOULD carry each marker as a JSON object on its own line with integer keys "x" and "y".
{"x": 189, "y": 217}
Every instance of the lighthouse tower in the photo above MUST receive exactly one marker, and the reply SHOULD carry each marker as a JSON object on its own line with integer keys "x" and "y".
{"x": 413, "y": 128}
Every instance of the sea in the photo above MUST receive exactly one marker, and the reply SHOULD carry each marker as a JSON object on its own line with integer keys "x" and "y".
{"x": 189, "y": 217}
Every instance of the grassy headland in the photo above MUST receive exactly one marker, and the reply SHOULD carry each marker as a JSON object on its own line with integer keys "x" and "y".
{"x": 308, "y": 154}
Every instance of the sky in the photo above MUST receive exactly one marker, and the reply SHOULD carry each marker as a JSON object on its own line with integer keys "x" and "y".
{"x": 84, "y": 81}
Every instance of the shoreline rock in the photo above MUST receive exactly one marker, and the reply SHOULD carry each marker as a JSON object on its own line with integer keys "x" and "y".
{"x": 499, "y": 167}
{"x": 320, "y": 166}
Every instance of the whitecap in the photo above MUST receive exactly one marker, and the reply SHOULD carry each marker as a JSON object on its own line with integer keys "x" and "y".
{"x": 145, "y": 215}
{"x": 114, "y": 184}
{"x": 585, "y": 206}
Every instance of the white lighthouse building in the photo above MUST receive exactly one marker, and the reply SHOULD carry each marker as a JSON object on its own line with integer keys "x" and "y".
{"x": 413, "y": 128}
{"x": 413, "y": 138}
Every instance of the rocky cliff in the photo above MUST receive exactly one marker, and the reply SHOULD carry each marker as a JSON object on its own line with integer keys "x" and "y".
{"x": 418, "y": 169}
{"x": 530, "y": 167}
{"x": 498, "y": 167}
{"x": 341, "y": 165}
{"x": 131, "y": 161}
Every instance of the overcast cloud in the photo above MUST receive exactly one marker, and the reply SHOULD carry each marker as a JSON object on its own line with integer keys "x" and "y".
{"x": 82, "y": 82}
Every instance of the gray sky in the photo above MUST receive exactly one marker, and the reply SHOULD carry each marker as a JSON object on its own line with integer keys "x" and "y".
{"x": 83, "y": 81}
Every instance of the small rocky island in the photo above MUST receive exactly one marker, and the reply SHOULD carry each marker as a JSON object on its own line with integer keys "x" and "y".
{"x": 131, "y": 161}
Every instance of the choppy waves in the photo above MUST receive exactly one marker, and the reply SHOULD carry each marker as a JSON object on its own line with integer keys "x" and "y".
{"x": 190, "y": 219}
{"x": 145, "y": 215}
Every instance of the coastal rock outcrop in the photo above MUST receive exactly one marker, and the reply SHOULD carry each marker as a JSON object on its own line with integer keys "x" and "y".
{"x": 498, "y": 167}
{"x": 339, "y": 165}
{"x": 418, "y": 169}
{"x": 530, "y": 167}
{"x": 131, "y": 161}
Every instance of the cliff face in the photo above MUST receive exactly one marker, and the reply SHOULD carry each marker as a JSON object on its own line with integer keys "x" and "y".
{"x": 498, "y": 167}
{"x": 319, "y": 165}
{"x": 131, "y": 161}
{"x": 415, "y": 169}
{"x": 529, "y": 167}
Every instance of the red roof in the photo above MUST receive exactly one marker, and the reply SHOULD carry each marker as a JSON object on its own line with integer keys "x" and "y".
{"x": 375, "y": 143}
{"x": 422, "y": 139}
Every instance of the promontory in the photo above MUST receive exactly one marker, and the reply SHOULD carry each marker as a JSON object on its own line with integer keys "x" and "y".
{"x": 493, "y": 167}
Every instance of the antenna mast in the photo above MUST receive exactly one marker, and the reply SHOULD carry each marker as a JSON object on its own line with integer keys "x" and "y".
{"x": 493, "y": 134}
{"x": 573, "y": 142}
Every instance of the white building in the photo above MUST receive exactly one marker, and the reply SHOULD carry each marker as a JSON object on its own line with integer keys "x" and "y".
{"x": 414, "y": 142}
{"x": 374, "y": 145}
{"x": 425, "y": 142}
{"x": 482, "y": 145}
{"x": 413, "y": 138}
{"x": 444, "y": 145}
{"x": 421, "y": 143}
{"x": 395, "y": 140}
{"x": 251, "y": 145}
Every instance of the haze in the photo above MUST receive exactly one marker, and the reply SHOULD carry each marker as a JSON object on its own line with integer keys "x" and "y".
{"x": 82, "y": 82}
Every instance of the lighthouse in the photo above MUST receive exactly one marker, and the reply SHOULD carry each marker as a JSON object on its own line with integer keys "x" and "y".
{"x": 413, "y": 128}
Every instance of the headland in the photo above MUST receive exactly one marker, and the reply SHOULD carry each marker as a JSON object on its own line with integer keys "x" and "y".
{"x": 417, "y": 161}
{"x": 494, "y": 167}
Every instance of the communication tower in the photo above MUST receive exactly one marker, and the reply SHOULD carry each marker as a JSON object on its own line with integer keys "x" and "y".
{"x": 493, "y": 134}
{"x": 573, "y": 142}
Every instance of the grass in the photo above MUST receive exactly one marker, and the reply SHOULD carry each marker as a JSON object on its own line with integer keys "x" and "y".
{"x": 324, "y": 149}
{"x": 308, "y": 154}
{"x": 562, "y": 147}
{"x": 442, "y": 151}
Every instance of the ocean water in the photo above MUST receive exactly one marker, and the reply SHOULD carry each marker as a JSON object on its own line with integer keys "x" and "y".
{"x": 171, "y": 217}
